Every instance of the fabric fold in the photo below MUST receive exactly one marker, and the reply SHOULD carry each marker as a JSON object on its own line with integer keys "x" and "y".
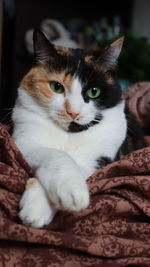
{"x": 113, "y": 231}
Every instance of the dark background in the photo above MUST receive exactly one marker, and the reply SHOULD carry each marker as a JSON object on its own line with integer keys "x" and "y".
{"x": 21, "y": 15}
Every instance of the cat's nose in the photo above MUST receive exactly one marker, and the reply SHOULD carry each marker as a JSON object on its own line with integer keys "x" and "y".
{"x": 73, "y": 114}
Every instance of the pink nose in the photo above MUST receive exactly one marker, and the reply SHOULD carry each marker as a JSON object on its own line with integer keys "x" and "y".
{"x": 72, "y": 114}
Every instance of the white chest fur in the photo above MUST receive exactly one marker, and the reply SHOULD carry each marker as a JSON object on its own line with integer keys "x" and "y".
{"x": 102, "y": 139}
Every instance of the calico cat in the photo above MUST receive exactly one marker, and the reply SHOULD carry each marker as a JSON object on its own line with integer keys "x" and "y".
{"x": 69, "y": 120}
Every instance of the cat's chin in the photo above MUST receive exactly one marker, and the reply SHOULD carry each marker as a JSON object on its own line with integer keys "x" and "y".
{"x": 73, "y": 126}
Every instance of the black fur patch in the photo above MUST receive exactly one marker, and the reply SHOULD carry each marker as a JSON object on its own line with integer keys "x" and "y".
{"x": 135, "y": 136}
{"x": 103, "y": 161}
{"x": 75, "y": 127}
{"x": 134, "y": 140}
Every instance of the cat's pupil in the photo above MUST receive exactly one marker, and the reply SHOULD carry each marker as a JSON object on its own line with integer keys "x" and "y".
{"x": 57, "y": 87}
{"x": 94, "y": 91}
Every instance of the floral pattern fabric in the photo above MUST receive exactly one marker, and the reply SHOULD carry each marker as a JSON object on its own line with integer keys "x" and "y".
{"x": 113, "y": 231}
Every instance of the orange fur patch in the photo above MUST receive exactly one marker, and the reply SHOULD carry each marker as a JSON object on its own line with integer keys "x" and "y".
{"x": 63, "y": 50}
{"x": 31, "y": 182}
{"x": 109, "y": 80}
{"x": 89, "y": 59}
{"x": 36, "y": 82}
{"x": 68, "y": 79}
{"x": 67, "y": 106}
{"x": 95, "y": 65}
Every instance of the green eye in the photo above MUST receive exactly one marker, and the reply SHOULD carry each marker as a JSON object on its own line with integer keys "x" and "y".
{"x": 57, "y": 87}
{"x": 93, "y": 92}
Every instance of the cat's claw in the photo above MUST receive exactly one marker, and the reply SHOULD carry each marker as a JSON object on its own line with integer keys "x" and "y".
{"x": 35, "y": 209}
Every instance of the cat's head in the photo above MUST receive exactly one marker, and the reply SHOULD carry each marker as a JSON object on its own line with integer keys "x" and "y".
{"x": 73, "y": 86}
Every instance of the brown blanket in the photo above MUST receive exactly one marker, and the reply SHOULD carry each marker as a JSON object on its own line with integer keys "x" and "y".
{"x": 113, "y": 231}
{"x": 138, "y": 98}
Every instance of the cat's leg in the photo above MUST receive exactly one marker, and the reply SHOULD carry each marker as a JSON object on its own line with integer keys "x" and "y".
{"x": 61, "y": 178}
{"x": 35, "y": 209}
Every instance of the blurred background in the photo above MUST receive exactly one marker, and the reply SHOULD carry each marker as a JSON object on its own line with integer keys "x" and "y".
{"x": 85, "y": 24}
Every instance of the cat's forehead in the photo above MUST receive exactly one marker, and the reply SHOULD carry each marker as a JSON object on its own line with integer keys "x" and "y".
{"x": 76, "y": 55}
{"x": 76, "y": 61}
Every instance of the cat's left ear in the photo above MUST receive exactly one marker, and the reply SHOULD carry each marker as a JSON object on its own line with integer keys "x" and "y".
{"x": 112, "y": 52}
{"x": 43, "y": 49}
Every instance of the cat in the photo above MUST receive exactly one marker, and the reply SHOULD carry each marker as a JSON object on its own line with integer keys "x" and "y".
{"x": 69, "y": 120}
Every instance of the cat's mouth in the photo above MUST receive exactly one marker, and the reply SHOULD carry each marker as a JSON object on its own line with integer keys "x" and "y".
{"x": 78, "y": 124}
{"x": 75, "y": 127}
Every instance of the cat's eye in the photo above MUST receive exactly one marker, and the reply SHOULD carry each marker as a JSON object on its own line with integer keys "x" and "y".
{"x": 57, "y": 87}
{"x": 93, "y": 92}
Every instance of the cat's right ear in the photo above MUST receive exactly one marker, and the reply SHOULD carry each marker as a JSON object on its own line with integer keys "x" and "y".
{"x": 43, "y": 49}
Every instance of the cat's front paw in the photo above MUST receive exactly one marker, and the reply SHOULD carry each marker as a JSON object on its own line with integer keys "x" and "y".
{"x": 35, "y": 209}
{"x": 72, "y": 195}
